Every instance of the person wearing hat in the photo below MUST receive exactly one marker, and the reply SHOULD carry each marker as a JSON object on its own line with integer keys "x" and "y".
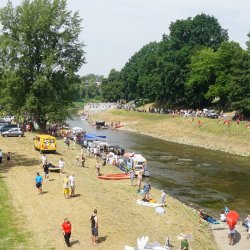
{"x": 66, "y": 228}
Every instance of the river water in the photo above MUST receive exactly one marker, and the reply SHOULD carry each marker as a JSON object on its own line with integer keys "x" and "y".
{"x": 204, "y": 178}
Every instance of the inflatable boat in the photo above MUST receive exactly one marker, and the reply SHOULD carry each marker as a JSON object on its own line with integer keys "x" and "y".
{"x": 114, "y": 177}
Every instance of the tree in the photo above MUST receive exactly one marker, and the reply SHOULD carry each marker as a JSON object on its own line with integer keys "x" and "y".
{"x": 112, "y": 88}
{"x": 227, "y": 62}
{"x": 201, "y": 76}
{"x": 40, "y": 53}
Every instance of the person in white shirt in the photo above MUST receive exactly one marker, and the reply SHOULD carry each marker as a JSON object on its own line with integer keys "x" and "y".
{"x": 44, "y": 160}
{"x": 246, "y": 223}
{"x": 61, "y": 165}
{"x": 222, "y": 216}
{"x": 72, "y": 185}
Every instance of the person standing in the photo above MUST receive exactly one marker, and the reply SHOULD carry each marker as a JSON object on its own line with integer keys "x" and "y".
{"x": 146, "y": 190}
{"x": 66, "y": 228}
{"x": 77, "y": 161}
{"x": 139, "y": 180}
{"x": 66, "y": 187}
{"x": 44, "y": 160}
{"x": 98, "y": 167}
{"x": 94, "y": 227}
{"x": 231, "y": 235}
{"x": 46, "y": 172}
{"x": 163, "y": 198}
{"x": 82, "y": 160}
{"x": 39, "y": 182}
{"x": 67, "y": 142}
{"x": 61, "y": 165}
{"x": 1, "y": 156}
{"x": 132, "y": 177}
{"x": 72, "y": 185}
{"x": 8, "y": 156}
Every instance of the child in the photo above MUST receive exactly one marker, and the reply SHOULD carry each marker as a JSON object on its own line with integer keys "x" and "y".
{"x": 222, "y": 216}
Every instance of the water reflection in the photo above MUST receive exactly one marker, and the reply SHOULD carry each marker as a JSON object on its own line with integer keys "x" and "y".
{"x": 205, "y": 178}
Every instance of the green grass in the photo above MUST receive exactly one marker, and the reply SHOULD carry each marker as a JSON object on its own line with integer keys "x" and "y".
{"x": 11, "y": 235}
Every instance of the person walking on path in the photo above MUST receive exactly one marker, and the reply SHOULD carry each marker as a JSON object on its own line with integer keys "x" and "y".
{"x": 61, "y": 165}
{"x": 94, "y": 227}
{"x": 72, "y": 185}
{"x": 39, "y": 182}
{"x": 1, "y": 156}
{"x": 44, "y": 160}
{"x": 82, "y": 160}
{"x": 66, "y": 228}
{"x": 46, "y": 172}
{"x": 67, "y": 142}
{"x": 66, "y": 187}
{"x": 98, "y": 167}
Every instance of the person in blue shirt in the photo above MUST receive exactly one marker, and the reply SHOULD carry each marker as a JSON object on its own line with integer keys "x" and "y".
{"x": 39, "y": 182}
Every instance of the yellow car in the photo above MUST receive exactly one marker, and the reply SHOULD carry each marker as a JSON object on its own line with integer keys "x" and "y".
{"x": 45, "y": 143}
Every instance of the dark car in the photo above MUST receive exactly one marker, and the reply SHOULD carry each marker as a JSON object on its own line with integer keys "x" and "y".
{"x": 13, "y": 132}
{"x": 6, "y": 127}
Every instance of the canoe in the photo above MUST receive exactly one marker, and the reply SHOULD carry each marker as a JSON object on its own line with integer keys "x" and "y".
{"x": 114, "y": 177}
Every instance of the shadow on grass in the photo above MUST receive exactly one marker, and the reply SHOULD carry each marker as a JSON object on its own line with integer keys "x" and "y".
{"x": 75, "y": 242}
{"x": 102, "y": 239}
{"x": 17, "y": 160}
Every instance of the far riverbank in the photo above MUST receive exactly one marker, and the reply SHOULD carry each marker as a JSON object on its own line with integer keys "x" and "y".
{"x": 201, "y": 132}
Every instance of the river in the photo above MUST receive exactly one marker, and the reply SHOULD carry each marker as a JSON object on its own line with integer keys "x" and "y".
{"x": 204, "y": 178}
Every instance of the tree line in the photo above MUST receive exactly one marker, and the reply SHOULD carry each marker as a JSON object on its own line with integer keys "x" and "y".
{"x": 194, "y": 66}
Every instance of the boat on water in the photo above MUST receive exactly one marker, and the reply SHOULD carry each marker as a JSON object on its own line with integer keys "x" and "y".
{"x": 122, "y": 176}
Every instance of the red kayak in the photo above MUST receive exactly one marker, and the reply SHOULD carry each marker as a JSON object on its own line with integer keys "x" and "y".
{"x": 114, "y": 177}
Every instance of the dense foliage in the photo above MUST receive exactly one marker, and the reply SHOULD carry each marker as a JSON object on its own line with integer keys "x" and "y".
{"x": 40, "y": 53}
{"x": 194, "y": 66}
{"x": 90, "y": 88}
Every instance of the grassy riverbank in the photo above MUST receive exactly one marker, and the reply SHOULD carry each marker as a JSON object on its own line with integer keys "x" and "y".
{"x": 212, "y": 134}
{"x": 121, "y": 219}
{"x": 12, "y": 234}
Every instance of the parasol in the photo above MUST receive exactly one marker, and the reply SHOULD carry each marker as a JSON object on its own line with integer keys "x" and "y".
{"x": 232, "y": 218}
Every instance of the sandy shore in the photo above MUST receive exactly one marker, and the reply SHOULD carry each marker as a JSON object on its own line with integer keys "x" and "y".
{"x": 121, "y": 219}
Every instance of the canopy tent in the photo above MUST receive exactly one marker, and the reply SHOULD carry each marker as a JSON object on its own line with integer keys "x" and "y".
{"x": 93, "y": 136}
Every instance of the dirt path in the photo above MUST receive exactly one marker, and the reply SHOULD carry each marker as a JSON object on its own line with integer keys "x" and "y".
{"x": 121, "y": 219}
{"x": 221, "y": 231}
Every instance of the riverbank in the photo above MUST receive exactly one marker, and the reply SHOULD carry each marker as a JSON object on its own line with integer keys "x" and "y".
{"x": 201, "y": 132}
{"x": 121, "y": 219}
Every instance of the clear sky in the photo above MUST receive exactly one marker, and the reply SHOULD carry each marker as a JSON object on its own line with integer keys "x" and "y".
{"x": 113, "y": 30}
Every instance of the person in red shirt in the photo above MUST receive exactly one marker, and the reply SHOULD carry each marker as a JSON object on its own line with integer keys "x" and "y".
{"x": 66, "y": 228}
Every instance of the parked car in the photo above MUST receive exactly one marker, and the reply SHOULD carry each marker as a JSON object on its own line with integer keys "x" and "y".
{"x": 13, "y": 132}
{"x": 212, "y": 114}
{"x": 6, "y": 127}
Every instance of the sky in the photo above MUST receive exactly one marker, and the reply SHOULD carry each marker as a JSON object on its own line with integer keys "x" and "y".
{"x": 113, "y": 30}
